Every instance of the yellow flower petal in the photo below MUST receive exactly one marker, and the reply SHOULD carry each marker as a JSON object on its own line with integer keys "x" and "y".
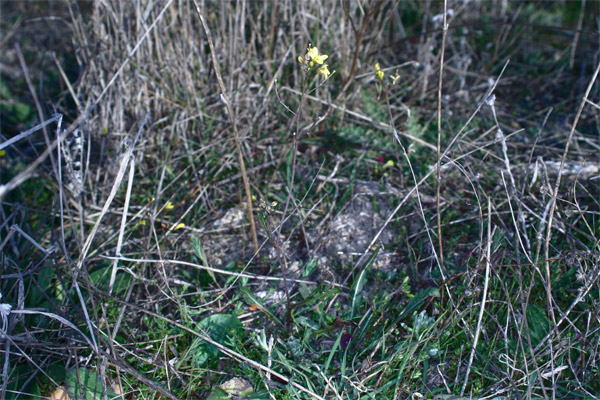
{"x": 315, "y": 57}
{"x": 169, "y": 206}
{"x": 320, "y": 58}
{"x": 179, "y": 226}
{"x": 324, "y": 71}
{"x": 379, "y": 74}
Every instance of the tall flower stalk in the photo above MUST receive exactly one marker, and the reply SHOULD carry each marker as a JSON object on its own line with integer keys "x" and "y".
{"x": 312, "y": 64}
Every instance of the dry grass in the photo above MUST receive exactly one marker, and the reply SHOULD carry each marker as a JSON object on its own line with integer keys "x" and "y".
{"x": 434, "y": 237}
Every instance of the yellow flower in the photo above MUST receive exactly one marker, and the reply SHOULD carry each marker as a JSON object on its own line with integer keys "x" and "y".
{"x": 179, "y": 226}
{"x": 314, "y": 57}
{"x": 395, "y": 78}
{"x": 169, "y": 206}
{"x": 143, "y": 222}
{"x": 324, "y": 71}
{"x": 2, "y": 153}
{"x": 388, "y": 164}
{"x": 379, "y": 74}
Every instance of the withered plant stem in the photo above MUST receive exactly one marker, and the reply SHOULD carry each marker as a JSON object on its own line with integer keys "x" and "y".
{"x": 272, "y": 35}
{"x": 359, "y": 38}
{"x": 439, "y": 140}
{"x": 238, "y": 146}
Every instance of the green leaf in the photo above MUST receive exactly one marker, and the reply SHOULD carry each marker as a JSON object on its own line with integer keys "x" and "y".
{"x": 22, "y": 112}
{"x": 306, "y": 290}
{"x": 367, "y": 321}
{"x": 538, "y": 323}
{"x": 417, "y": 301}
{"x": 101, "y": 279}
{"x": 309, "y": 268}
{"x": 359, "y": 283}
{"x": 199, "y": 252}
{"x": 261, "y": 395}
{"x": 237, "y": 387}
{"x": 307, "y": 322}
{"x": 4, "y": 91}
{"x": 221, "y": 328}
{"x": 84, "y": 384}
{"x": 44, "y": 279}
{"x": 19, "y": 381}
{"x": 218, "y": 394}
{"x": 333, "y": 351}
{"x": 252, "y": 299}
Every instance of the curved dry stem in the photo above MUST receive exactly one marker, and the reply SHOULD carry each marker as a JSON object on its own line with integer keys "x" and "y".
{"x": 234, "y": 126}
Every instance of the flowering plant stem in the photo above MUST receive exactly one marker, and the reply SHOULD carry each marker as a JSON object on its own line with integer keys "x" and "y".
{"x": 277, "y": 240}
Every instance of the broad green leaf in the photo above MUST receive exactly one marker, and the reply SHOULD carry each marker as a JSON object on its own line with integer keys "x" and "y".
{"x": 19, "y": 380}
{"x": 22, "y": 111}
{"x": 220, "y": 328}
{"x": 84, "y": 384}
{"x": 237, "y": 387}
{"x": 101, "y": 279}
{"x": 218, "y": 394}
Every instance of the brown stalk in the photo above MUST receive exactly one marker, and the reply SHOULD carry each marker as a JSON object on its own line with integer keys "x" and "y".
{"x": 360, "y": 36}
{"x": 439, "y": 139}
{"x": 235, "y": 131}
{"x": 272, "y": 33}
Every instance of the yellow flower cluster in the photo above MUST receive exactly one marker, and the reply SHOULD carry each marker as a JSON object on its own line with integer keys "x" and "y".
{"x": 312, "y": 58}
{"x": 379, "y": 74}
